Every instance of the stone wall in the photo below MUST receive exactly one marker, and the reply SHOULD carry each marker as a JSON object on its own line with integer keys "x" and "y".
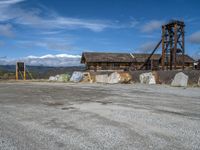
{"x": 166, "y": 77}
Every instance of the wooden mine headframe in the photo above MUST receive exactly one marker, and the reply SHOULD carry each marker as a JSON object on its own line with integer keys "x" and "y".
{"x": 172, "y": 44}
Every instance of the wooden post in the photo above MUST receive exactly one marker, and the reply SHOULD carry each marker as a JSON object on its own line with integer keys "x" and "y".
{"x": 163, "y": 48}
{"x": 16, "y": 72}
{"x": 20, "y": 68}
{"x": 183, "y": 48}
{"x": 175, "y": 45}
{"x": 24, "y": 72}
{"x": 171, "y": 49}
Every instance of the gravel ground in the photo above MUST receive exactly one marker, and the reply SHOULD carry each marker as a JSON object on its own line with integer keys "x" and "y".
{"x": 54, "y": 116}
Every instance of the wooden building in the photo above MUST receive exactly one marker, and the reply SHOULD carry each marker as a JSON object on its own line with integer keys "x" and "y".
{"x": 126, "y": 61}
{"x": 107, "y": 61}
{"x": 188, "y": 62}
{"x": 155, "y": 61}
{"x": 197, "y": 65}
{"x": 141, "y": 58}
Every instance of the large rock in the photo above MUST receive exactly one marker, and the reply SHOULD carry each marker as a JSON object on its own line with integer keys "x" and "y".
{"x": 52, "y": 78}
{"x": 76, "y": 76}
{"x": 180, "y": 79}
{"x": 117, "y": 77}
{"x": 199, "y": 82}
{"x": 60, "y": 78}
{"x": 147, "y": 78}
{"x": 101, "y": 78}
{"x": 63, "y": 78}
{"x": 87, "y": 77}
{"x": 125, "y": 77}
{"x": 57, "y": 76}
{"x": 114, "y": 78}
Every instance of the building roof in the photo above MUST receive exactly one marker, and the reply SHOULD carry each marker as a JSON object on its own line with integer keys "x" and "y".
{"x": 106, "y": 57}
{"x": 125, "y": 57}
{"x": 187, "y": 59}
{"x": 141, "y": 57}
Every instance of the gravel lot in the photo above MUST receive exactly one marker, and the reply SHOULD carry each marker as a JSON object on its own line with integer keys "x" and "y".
{"x": 54, "y": 116}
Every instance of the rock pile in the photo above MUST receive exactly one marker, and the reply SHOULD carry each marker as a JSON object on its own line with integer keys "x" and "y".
{"x": 113, "y": 78}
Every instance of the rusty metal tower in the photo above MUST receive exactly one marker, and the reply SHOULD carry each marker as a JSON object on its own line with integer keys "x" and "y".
{"x": 172, "y": 44}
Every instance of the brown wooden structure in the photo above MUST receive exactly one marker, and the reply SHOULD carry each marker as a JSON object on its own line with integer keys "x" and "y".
{"x": 172, "y": 44}
{"x": 20, "y": 71}
{"x": 107, "y": 61}
{"x": 126, "y": 61}
{"x": 197, "y": 65}
{"x": 152, "y": 64}
{"x": 155, "y": 61}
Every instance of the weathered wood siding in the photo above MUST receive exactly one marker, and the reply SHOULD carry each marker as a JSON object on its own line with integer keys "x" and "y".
{"x": 108, "y": 66}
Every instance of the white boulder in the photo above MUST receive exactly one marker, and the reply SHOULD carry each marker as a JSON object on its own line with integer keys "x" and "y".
{"x": 147, "y": 78}
{"x": 114, "y": 78}
{"x": 180, "y": 79}
{"x": 76, "y": 76}
{"x": 63, "y": 78}
{"x": 52, "y": 78}
{"x": 119, "y": 77}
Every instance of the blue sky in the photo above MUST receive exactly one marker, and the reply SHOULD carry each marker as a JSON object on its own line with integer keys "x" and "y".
{"x": 41, "y": 29}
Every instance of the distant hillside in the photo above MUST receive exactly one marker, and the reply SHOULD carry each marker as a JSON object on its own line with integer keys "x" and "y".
{"x": 9, "y": 68}
{"x": 39, "y": 72}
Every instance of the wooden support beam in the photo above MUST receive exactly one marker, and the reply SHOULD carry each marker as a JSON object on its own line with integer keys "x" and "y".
{"x": 163, "y": 48}
{"x": 16, "y": 72}
{"x": 175, "y": 45}
{"x": 24, "y": 72}
{"x": 183, "y": 48}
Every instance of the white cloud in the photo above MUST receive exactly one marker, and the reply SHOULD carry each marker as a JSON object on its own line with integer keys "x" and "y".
{"x": 32, "y": 19}
{"x": 57, "y": 43}
{"x": 152, "y": 26}
{"x": 46, "y": 19}
{"x": 6, "y": 30}
{"x": 59, "y": 46}
{"x": 60, "y": 60}
{"x": 10, "y": 2}
{"x": 134, "y": 23}
{"x": 49, "y": 32}
{"x": 195, "y": 38}
{"x": 147, "y": 47}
